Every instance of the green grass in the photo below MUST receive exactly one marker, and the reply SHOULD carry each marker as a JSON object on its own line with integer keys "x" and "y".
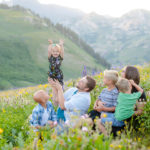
{"x": 23, "y": 51}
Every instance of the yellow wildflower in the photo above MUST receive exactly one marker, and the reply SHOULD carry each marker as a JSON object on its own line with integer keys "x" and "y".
{"x": 51, "y": 95}
{"x": 1, "y": 130}
{"x": 39, "y": 86}
{"x": 111, "y": 145}
{"x": 3, "y": 110}
{"x": 104, "y": 116}
{"x": 79, "y": 138}
{"x": 45, "y": 86}
{"x": 120, "y": 146}
{"x": 118, "y": 133}
{"x": 125, "y": 122}
{"x": 26, "y": 93}
{"x": 139, "y": 139}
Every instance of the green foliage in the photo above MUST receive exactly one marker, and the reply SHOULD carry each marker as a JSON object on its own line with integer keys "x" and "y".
{"x": 13, "y": 121}
{"x": 145, "y": 118}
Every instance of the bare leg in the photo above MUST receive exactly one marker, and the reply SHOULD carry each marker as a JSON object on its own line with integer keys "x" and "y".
{"x": 101, "y": 127}
{"x": 55, "y": 96}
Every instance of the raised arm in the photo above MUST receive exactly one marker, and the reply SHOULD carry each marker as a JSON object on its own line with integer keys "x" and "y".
{"x": 61, "y": 43}
{"x": 50, "y": 48}
{"x": 136, "y": 86}
{"x": 60, "y": 97}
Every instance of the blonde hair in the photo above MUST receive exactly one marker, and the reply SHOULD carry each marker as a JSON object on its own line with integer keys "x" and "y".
{"x": 111, "y": 75}
{"x": 123, "y": 85}
{"x": 58, "y": 46}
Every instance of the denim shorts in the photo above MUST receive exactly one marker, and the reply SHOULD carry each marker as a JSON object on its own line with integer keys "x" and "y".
{"x": 110, "y": 117}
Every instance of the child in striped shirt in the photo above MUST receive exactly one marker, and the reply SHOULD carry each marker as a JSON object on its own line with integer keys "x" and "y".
{"x": 107, "y": 100}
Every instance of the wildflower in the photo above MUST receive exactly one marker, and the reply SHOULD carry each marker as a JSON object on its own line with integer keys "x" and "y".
{"x": 61, "y": 142}
{"x": 39, "y": 86}
{"x": 79, "y": 138}
{"x": 53, "y": 136}
{"x": 110, "y": 122}
{"x": 120, "y": 146}
{"x": 111, "y": 145}
{"x": 45, "y": 86}
{"x": 118, "y": 133}
{"x": 148, "y": 148}
{"x": 125, "y": 122}
{"x": 37, "y": 133}
{"x": 3, "y": 110}
{"x": 1, "y": 130}
{"x": 139, "y": 139}
{"x": 26, "y": 93}
{"x": 104, "y": 115}
{"x": 84, "y": 129}
{"x": 95, "y": 120}
{"x": 51, "y": 95}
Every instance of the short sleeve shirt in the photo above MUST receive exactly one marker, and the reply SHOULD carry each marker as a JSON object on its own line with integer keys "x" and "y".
{"x": 76, "y": 103}
{"x": 109, "y": 97}
{"x": 125, "y": 106}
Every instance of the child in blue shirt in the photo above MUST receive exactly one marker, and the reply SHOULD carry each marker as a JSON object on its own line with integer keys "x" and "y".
{"x": 44, "y": 113}
{"x": 107, "y": 100}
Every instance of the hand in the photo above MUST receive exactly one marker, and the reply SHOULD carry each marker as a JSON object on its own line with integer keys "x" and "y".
{"x": 54, "y": 84}
{"x": 61, "y": 42}
{"x": 51, "y": 82}
{"x": 50, "y": 41}
{"x": 96, "y": 102}
{"x": 99, "y": 109}
{"x": 99, "y": 106}
{"x": 100, "y": 103}
{"x": 132, "y": 82}
{"x": 58, "y": 85}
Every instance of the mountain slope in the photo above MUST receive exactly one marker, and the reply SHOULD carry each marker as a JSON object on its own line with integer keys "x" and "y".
{"x": 123, "y": 40}
{"x": 23, "y": 50}
{"x": 53, "y": 12}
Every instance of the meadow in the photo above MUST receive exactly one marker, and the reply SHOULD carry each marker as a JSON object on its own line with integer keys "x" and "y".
{"x": 15, "y": 132}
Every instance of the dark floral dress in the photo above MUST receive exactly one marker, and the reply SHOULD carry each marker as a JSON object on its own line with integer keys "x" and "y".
{"x": 54, "y": 68}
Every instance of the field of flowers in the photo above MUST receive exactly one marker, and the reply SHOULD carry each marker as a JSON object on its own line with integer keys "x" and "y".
{"x": 15, "y": 132}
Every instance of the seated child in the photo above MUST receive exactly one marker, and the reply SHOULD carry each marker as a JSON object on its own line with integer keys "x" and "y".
{"x": 107, "y": 100}
{"x": 44, "y": 113}
{"x": 55, "y": 57}
{"x": 125, "y": 107}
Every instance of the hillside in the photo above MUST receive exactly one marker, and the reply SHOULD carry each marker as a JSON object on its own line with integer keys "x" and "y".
{"x": 23, "y": 50}
{"x": 121, "y": 41}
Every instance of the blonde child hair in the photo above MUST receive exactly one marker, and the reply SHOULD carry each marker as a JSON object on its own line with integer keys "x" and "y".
{"x": 58, "y": 46}
{"x": 123, "y": 85}
{"x": 111, "y": 75}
